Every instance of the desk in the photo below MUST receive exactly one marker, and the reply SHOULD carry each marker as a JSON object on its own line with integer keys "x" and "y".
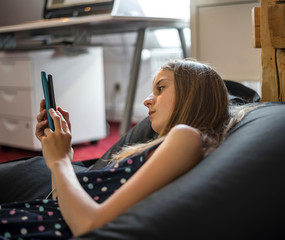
{"x": 53, "y": 33}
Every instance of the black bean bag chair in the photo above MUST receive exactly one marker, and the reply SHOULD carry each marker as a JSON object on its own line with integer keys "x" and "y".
{"x": 237, "y": 192}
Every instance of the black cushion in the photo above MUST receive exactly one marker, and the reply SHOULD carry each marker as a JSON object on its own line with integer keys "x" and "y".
{"x": 27, "y": 179}
{"x": 237, "y": 192}
{"x": 240, "y": 94}
{"x": 142, "y": 132}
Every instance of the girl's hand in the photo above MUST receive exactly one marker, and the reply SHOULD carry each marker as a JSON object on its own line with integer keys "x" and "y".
{"x": 57, "y": 145}
{"x": 43, "y": 122}
{"x": 65, "y": 115}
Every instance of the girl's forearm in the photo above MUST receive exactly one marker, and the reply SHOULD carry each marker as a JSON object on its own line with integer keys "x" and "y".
{"x": 78, "y": 209}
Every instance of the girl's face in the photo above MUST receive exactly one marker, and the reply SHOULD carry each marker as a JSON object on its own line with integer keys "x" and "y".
{"x": 161, "y": 101}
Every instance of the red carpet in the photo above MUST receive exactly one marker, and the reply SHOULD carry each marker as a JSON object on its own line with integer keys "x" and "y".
{"x": 84, "y": 151}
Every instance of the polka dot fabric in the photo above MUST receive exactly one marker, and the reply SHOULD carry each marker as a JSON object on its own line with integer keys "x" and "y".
{"x": 32, "y": 220}
{"x": 41, "y": 219}
{"x": 100, "y": 184}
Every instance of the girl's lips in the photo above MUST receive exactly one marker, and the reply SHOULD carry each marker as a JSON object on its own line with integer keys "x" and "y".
{"x": 150, "y": 113}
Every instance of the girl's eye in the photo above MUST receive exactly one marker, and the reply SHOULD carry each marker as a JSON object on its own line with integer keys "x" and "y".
{"x": 160, "y": 88}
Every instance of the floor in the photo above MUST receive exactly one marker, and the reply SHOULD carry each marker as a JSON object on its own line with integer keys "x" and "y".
{"x": 83, "y": 151}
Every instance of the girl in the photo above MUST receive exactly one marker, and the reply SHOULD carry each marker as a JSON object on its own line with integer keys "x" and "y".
{"x": 188, "y": 108}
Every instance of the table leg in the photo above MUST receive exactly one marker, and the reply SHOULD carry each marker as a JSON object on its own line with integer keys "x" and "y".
{"x": 134, "y": 74}
{"x": 183, "y": 42}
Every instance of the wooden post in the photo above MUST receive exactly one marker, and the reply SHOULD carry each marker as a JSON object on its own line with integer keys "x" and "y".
{"x": 276, "y": 20}
{"x": 272, "y": 42}
{"x": 281, "y": 73}
{"x": 256, "y": 27}
{"x": 270, "y": 81}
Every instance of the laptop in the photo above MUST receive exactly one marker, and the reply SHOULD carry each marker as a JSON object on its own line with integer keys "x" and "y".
{"x": 74, "y": 8}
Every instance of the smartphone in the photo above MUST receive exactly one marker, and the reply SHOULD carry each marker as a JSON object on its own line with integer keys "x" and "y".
{"x": 47, "y": 84}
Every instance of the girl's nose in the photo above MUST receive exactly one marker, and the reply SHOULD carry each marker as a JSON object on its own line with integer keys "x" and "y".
{"x": 149, "y": 100}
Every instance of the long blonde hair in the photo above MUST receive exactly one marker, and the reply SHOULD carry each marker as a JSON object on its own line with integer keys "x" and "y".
{"x": 201, "y": 101}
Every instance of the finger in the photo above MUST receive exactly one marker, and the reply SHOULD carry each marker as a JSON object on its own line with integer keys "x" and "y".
{"x": 40, "y": 128}
{"x": 56, "y": 120}
{"x": 65, "y": 115}
{"x": 42, "y": 116}
{"x": 64, "y": 124}
{"x": 41, "y": 125}
{"x": 47, "y": 132}
{"x": 42, "y": 105}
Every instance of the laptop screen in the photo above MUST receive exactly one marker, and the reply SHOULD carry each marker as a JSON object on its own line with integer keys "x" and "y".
{"x": 74, "y": 8}
{"x": 52, "y": 4}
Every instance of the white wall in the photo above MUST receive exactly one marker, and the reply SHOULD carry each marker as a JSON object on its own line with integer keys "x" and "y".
{"x": 221, "y": 35}
{"x": 15, "y": 11}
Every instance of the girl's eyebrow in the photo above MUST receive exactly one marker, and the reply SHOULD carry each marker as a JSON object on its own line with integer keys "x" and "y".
{"x": 161, "y": 80}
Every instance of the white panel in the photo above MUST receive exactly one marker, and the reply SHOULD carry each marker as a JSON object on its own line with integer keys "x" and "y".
{"x": 221, "y": 35}
{"x": 16, "y": 102}
{"x": 79, "y": 88}
{"x": 225, "y": 41}
{"x": 14, "y": 71}
{"x": 18, "y": 133}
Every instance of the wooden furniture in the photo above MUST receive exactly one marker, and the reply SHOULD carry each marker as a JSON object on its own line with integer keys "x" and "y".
{"x": 269, "y": 34}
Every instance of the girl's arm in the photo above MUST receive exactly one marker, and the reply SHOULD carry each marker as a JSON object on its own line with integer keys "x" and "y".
{"x": 179, "y": 152}
{"x": 42, "y": 124}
